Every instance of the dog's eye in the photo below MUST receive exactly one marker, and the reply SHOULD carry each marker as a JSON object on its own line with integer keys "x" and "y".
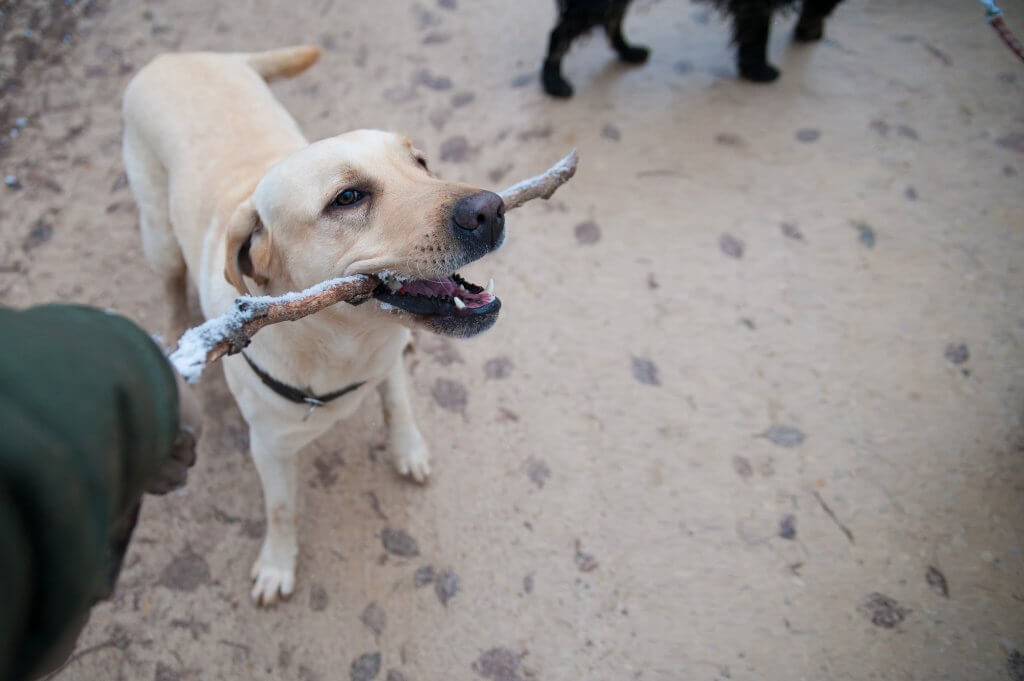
{"x": 349, "y": 197}
{"x": 423, "y": 163}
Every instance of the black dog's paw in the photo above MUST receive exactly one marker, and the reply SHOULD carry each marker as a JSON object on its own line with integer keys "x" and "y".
{"x": 759, "y": 73}
{"x": 809, "y": 30}
{"x": 634, "y": 54}
{"x": 555, "y": 85}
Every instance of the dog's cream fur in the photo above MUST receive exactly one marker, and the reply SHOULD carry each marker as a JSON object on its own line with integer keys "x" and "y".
{"x": 231, "y": 193}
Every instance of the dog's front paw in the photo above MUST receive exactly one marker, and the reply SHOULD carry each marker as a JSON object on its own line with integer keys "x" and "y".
{"x": 634, "y": 54}
{"x": 759, "y": 73}
{"x": 554, "y": 84}
{"x": 410, "y": 455}
{"x": 273, "y": 578}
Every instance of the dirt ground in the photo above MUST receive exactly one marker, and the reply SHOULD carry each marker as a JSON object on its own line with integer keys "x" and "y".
{"x": 752, "y": 411}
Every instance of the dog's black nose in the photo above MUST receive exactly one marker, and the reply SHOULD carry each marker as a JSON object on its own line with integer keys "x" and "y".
{"x": 480, "y": 217}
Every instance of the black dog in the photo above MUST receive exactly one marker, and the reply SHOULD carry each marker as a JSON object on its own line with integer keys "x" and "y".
{"x": 751, "y": 21}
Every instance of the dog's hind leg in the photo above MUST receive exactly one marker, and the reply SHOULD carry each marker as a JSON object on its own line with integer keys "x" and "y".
{"x": 148, "y": 180}
{"x": 408, "y": 449}
{"x": 811, "y": 26}
{"x": 632, "y": 54}
{"x": 551, "y": 75}
{"x": 751, "y": 26}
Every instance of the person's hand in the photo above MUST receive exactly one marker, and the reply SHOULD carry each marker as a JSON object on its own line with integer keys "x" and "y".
{"x": 174, "y": 473}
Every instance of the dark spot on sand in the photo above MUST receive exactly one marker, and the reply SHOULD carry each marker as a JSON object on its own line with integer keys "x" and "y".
{"x": 365, "y": 667}
{"x": 423, "y": 576}
{"x": 702, "y": 17}
{"x": 41, "y": 232}
{"x": 538, "y": 472}
{"x": 325, "y": 466}
{"x": 284, "y": 657}
{"x": 741, "y": 465}
{"x": 442, "y": 351}
{"x": 731, "y": 246}
{"x": 645, "y": 371}
{"x": 456, "y": 149}
{"x": 496, "y": 174}
{"x": 880, "y": 127}
{"x": 165, "y": 673}
{"x": 957, "y": 353}
{"x": 307, "y": 674}
{"x": 729, "y": 139}
{"x": 395, "y": 675}
{"x": 447, "y": 4}
{"x": 784, "y": 436}
{"x": 937, "y": 581}
{"x": 120, "y": 183}
{"x": 436, "y": 38}
{"x": 791, "y": 231}
{"x": 528, "y": 584}
{"x": 186, "y": 572}
{"x": 652, "y": 281}
{"x": 440, "y": 117}
{"x": 425, "y": 78}
{"x": 539, "y": 133}
{"x": 808, "y": 135}
{"x": 910, "y": 194}
{"x": 683, "y": 67}
{"x": 446, "y": 585}
{"x": 318, "y": 598}
{"x": 865, "y": 233}
{"x": 498, "y": 367}
{"x": 787, "y": 526}
{"x": 1015, "y": 665}
{"x": 907, "y": 131}
{"x": 587, "y": 233}
{"x": 399, "y": 543}
{"x": 450, "y": 395}
{"x": 938, "y": 54}
{"x": 523, "y": 79}
{"x": 1013, "y": 141}
{"x": 584, "y": 561}
{"x": 254, "y": 529}
{"x": 425, "y": 18}
{"x": 611, "y": 132}
{"x": 883, "y": 611}
{"x": 498, "y": 664}
{"x": 373, "y": 618}
{"x": 461, "y": 99}
{"x": 507, "y": 416}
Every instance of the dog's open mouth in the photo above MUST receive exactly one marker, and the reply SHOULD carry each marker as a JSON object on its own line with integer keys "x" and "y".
{"x": 451, "y": 305}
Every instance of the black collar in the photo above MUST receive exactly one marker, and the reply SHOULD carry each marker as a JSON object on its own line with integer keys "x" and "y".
{"x": 290, "y": 392}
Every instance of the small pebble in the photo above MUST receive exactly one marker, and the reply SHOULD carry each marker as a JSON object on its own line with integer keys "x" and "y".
{"x": 12, "y": 182}
{"x": 21, "y": 121}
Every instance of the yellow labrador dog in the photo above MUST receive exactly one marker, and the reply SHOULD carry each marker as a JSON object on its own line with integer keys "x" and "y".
{"x": 231, "y": 193}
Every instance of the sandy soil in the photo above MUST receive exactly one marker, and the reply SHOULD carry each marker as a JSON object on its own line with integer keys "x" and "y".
{"x": 753, "y": 408}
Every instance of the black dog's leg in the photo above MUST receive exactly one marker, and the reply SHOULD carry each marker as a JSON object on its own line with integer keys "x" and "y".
{"x": 632, "y": 54}
{"x": 811, "y": 25}
{"x": 554, "y": 84}
{"x": 751, "y": 30}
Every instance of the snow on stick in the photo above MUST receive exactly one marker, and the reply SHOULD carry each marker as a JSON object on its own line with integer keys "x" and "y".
{"x": 231, "y": 332}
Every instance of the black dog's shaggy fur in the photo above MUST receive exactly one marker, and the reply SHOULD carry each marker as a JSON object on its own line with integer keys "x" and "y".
{"x": 751, "y": 21}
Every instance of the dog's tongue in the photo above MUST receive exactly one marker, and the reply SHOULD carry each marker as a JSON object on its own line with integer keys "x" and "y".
{"x": 447, "y": 288}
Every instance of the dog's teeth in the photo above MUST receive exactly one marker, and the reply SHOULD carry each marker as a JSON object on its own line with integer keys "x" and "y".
{"x": 490, "y": 286}
{"x": 458, "y": 303}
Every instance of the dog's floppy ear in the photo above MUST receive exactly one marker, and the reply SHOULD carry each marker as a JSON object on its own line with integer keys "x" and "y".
{"x": 248, "y": 248}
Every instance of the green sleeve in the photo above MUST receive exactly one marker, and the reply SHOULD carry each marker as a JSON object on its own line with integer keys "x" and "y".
{"x": 88, "y": 413}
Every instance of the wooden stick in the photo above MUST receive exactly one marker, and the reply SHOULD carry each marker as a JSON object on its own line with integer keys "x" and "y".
{"x": 229, "y": 333}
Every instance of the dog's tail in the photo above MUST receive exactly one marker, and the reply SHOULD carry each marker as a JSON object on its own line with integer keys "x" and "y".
{"x": 283, "y": 63}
